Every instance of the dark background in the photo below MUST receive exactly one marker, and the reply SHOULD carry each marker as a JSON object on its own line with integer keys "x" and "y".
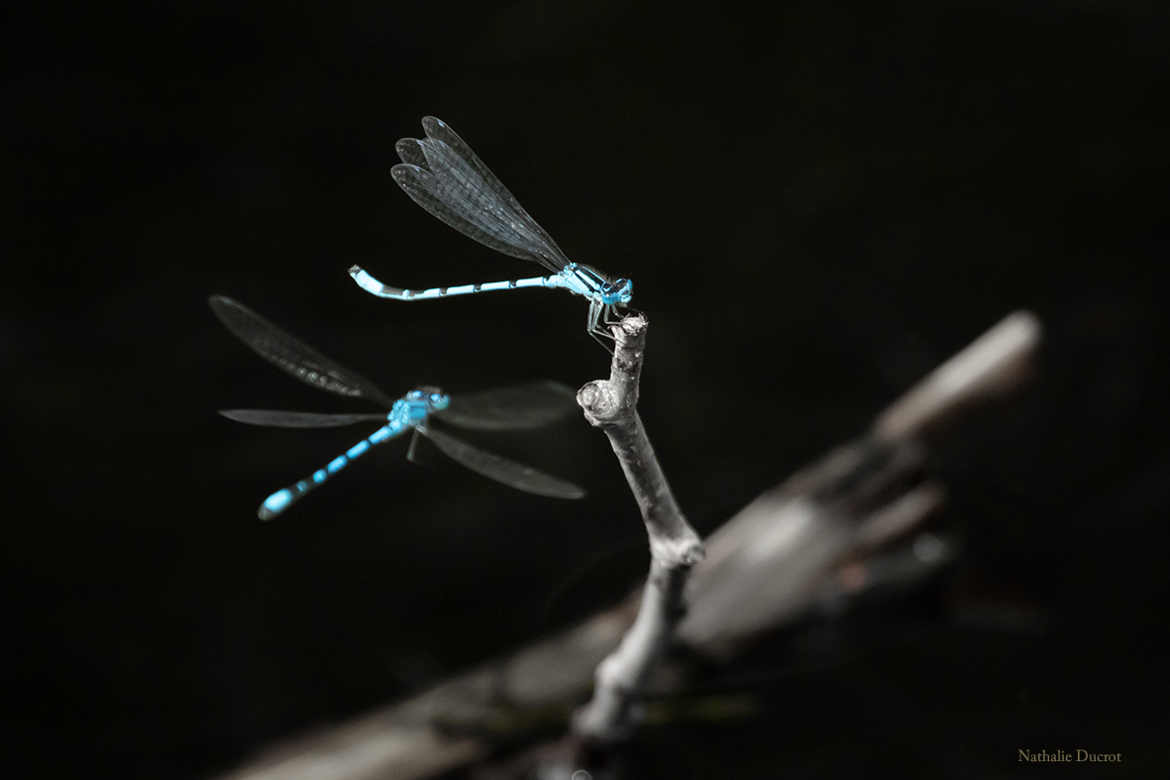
{"x": 817, "y": 204}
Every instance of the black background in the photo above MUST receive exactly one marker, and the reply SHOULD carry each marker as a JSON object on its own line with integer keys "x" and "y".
{"x": 817, "y": 204}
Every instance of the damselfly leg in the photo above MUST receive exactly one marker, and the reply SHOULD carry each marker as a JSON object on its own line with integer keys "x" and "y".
{"x": 600, "y": 320}
{"x": 594, "y": 327}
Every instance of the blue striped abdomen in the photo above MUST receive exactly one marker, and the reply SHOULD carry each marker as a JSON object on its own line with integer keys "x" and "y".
{"x": 375, "y": 287}
{"x": 287, "y": 496}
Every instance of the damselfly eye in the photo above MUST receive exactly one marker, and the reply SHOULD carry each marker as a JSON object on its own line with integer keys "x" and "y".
{"x": 435, "y": 398}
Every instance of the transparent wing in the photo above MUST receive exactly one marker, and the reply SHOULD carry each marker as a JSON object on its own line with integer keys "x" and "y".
{"x": 275, "y": 418}
{"x": 517, "y": 407}
{"x": 443, "y": 175}
{"x": 442, "y": 135}
{"x": 499, "y": 468}
{"x": 292, "y": 355}
{"x": 438, "y": 130}
{"x": 419, "y": 183}
{"x": 410, "y": 152}
{"x": 484, "y": 200}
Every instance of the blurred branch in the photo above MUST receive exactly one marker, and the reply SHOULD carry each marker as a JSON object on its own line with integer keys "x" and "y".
{"x": 775, "y": 560}
{"x": 611, "y": 405}
{"x": 993, "y": 364}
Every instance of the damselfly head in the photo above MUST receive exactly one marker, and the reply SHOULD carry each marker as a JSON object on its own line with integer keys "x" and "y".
{"x": 432, "y": 397}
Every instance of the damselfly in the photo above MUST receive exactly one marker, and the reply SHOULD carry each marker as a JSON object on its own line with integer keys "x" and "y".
{"x": 508, "y": 408}
{"x": 442, "y": 174}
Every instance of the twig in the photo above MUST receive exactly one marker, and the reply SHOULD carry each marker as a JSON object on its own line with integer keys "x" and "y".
{"x": 675, "y": 548}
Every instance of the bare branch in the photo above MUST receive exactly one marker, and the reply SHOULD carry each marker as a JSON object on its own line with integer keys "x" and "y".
{"x": 456, "y": 722}
{"x": 675, "y": 548}
{"x": 994, "y": 363}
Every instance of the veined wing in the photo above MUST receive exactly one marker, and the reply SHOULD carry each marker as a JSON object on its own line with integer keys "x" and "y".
{"x": 459, "y": 186}
{"x": 438, "y": 130}
{"x": 420, "y": 184}
{"x": 451, "y": 160}
{"x": 501, "y": 469}
{"x": 276, "y": 418}
{"x": 443, "y": 175}
{"x": 292, "y": 355}
{"x": 517, "y": 407}
{"x": 441, "y": 134}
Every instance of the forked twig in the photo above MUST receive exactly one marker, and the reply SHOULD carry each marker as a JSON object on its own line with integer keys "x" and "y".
{"x": 611, "y": 405}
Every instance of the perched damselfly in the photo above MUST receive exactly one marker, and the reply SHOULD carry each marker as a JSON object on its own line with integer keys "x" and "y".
{"x": 443, "y": 175}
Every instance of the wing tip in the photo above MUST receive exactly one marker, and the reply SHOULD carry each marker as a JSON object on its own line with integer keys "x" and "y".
{"x": 405, "y": 173}
{"x": 559, "y": 388}
{"x": 410, "y": 151}
{"x": 219, "y": 301}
